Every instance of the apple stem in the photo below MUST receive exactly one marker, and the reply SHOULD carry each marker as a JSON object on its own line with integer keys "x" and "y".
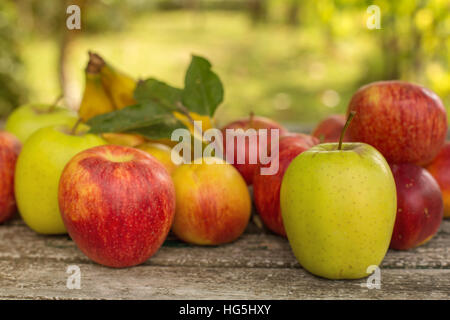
{"x": 252, "y": 114}
{"x": 75, "y": 126}
{"x": 185, "y": 111}
{"x": 349, "y": 119}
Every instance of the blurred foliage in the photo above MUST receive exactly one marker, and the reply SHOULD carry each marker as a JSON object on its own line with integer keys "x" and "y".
{"x": 294, "y": 61}
{"x": 12, "y": 91}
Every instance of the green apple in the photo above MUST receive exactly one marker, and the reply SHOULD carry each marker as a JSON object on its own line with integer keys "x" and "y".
{"x": 38, "y": 170}
{"x": 27, "y": 119}
{"x": 338, "y": 204}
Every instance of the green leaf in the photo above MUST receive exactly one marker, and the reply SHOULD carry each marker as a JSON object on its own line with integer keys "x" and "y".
{"x": 149, "y": 119}
{"x": 153, "y": 115}
{"x": 157, "y": 91}
{"x": 203, "y": 91}
{"x": 159, "y": 130}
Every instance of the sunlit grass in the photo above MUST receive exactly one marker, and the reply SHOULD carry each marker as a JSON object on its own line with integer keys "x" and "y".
{"x": 292, "y": 75}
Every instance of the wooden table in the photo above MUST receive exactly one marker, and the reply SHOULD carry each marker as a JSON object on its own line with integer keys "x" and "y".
{"x": 259, "y": 265}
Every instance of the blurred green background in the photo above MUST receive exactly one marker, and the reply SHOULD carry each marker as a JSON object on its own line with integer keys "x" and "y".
{"x": 295, "y": 61}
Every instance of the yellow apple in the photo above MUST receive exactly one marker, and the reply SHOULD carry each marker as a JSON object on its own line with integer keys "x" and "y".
{"x": 162, "y": 153}
{"x": 213, "y": 203}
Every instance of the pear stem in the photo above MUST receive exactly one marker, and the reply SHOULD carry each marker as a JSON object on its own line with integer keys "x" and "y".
{"x": 349, "y": 119}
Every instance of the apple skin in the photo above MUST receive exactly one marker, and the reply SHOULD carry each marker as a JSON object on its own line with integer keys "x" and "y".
{"x": 246, "y": 169}
{"x": 338, "y": 209}
{"x": 213, "y": 203}
{"x": 27, "y": 119}
{"x": 117, "y": 204}
{"x": 162, "y": 153}
{"x": 206, "y": 122}
{"x": 38, "y": 170}
{"x": 419, "y": 206}
{"x": 440, "y": 170}
{"x": 330, "y": 128}
{"x": 123, "y": 139}
{"x": 266, "y": 188}
{"x": 407, "y": 123}
{"x": 10, "y": 148}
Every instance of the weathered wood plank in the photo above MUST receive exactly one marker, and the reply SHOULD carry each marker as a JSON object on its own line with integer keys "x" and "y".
{"x": 30, "y": 279}
{"x": 261, "y": 250}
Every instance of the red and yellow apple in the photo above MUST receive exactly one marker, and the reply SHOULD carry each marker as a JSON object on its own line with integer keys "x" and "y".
{"x": 440, "y": 170}
{"x": 117, "y": 204}
{"x": 123, "y": 139}
{"x": 213, "y": 203}
{"x": 247, "y": 169}
{"x": 162, "y": 153}
{"x": 9, "y": 150}
{"x": 407, "y": 123}
{"x": 330, "y": 128}
{"x": 266, "y": 188}
{"x": 419, "y": 206}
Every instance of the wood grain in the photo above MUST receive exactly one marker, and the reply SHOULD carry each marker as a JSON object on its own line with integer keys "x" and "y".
{"x": 31, "y": 280}
{"x": 259, "y": 265}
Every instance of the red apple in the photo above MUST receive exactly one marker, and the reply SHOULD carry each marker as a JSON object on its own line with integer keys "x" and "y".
{"x": 440, "y": 170}
{"x": 266, "y": 188}
{"x": 9, "y": 150}
{"x": 117, "y": 204}
{"x": 247, "y": 169}
{"x": 404, "y": 121}
{"x": 419, "y": 206}
{"x": 329, "y": 129}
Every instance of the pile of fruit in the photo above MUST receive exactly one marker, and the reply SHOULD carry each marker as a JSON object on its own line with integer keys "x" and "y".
{"x": 342, "y": 196}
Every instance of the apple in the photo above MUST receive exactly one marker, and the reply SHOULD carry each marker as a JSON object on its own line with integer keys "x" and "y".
{"x": 123, "y": 139}
{"x": 9, "y": 150}
{"x": 266, "y": 188}
{"x": 38, "y": 169}
{"x": 338, "y": 203}
{"x": 162, "y": 153}
{"x": 247, "y": 169}
{"x": 27, "y": 119}
{"x": 329, "y": 129}
{"x": 419, "y": 206}
{"x": 206, "y": 122}
{"x": 213, "y": 203}
{"x": 407, "y": 123}
{"x": 440, "y": 170}
{"x": 117, "y": 204}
